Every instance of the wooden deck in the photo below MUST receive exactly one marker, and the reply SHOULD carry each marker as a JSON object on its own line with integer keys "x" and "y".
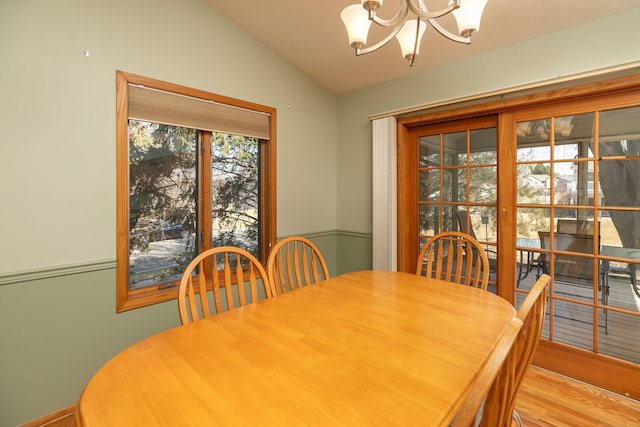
{"x": 618, "y": 332}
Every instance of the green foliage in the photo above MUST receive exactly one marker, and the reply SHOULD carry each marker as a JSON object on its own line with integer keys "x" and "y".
{"x": 540, "y": 169}
{"x": 162, "y": 188}
{"x": 235, "y": 190}
{"x": 164, "y": 179}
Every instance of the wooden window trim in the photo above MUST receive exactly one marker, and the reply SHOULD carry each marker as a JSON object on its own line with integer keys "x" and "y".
{"x": 127, "y": 299}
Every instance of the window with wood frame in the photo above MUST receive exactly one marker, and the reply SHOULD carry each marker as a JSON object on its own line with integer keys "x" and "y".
{"x": 195, "y": 170}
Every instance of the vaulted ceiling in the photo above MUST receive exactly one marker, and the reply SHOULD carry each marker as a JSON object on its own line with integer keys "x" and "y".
{"x": 311, "y": 36}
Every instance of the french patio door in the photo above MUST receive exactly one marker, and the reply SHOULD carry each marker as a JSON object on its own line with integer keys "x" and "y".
{"x": 451, "y": 185}
{"x": 578, "y": 220}
{"x": 551, "y": 188}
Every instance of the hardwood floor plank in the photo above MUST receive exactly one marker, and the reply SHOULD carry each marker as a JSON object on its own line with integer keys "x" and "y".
{"x": 549, "y": 399}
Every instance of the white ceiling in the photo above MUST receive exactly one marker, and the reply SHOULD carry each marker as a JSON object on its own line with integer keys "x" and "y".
{"x": 311, "y": 35}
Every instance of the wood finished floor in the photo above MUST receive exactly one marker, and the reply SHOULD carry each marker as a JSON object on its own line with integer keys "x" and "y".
{"x": 549, "y": 399}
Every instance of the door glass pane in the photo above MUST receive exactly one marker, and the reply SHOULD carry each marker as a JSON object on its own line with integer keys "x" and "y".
{"x": 455, "y": 149}
{"x": 533, "y": 140}
{"x": 449, "y": 220}
{"x": 454, "y": 185}
{"x": 429, "y": 220}
{"x": 619, "y": 183}
{"x": 429, "y": 154}
{"x": 482, "y": 147}
{"x": 582, "y": 202}
{"x": 573, "y": 137}
{"x": 462, "y": 179}
{"x": 617, "y": 179}
{"x": 429, "y": 185}
{"x": 619, "y": 131}
{"x": 533, "y": 183}
{"x": 609, "y": 339}
{"x": 575, "y": 329}
{"x": 482, "y": 187}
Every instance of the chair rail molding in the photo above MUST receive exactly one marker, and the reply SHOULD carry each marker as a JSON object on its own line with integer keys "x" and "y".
{"x": 385, "y": 231}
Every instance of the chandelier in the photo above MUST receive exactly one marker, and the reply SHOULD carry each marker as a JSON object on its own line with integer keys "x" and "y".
{"x": 409, "y": 24}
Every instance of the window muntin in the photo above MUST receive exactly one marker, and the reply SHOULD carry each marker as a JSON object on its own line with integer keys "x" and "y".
{"x": 191, "y": 164}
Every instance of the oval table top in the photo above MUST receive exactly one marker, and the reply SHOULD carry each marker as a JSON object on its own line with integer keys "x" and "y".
{"x": 363, "y": 348}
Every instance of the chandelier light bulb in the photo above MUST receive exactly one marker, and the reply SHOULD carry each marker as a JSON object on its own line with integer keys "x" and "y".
{"x": 407, "y": 38}
{"x": 468, "y": 16}
{"x": 356, "y": 19}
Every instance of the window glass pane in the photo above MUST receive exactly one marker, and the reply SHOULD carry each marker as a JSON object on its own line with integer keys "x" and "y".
{"x": 533, "y": 140}
{"x": 576, "y": 329}
{"x": 454, "y": 185}
{"x": 483, "y": 223}
{"x": 533, "y": 183}
{"x": 529, "y": 154}
{"x": 429, "y": 220}
{"x": 483, "y": 147}
{"x": 620, "y": 276}
{"x": 575, "y": 221}
{"x": 620, "y": 182}
{"x": 482, "y": 185}
{"x": 617, "y": 228}
{"x": 611, "y": 344}
{"x": 619, "y": 132}
{"x": 455, "y": 149}
{"x": 574, "y": 275}
{"x": 235, "y": 200}
{"x": 429, "y": 155}
{"x": 429, "y": 185}
{"x": 573, "y": 137}
{"x": 162, "y": 202}
{"x": 574, "y": 185}
{"x": 449, "y": 219}
{"x": 529, "y": 222}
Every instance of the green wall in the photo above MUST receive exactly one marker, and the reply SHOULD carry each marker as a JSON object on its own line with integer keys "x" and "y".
{"x": 57, "y": 110}
{"x": 58, "y": 115}
{"x": 599, "y": 44}
{"x": 57, "y": 219}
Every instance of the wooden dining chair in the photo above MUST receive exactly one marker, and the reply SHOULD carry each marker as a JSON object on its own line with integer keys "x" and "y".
{"x": 499, "y": 406}
{"x": 454, "y": 257}
{"x": 295, "y": 262}
{"x": 468, "y": 414}
{"x": 233, "y": 276}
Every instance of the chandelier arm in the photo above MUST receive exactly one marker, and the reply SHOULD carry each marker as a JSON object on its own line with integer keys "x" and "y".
{"x": 382, "y": 42}
{"x": 399, "y": 17}
{"x": 453, "y": 37}
{"x": 423, "y": 13}
{"x": 415, "y": 42}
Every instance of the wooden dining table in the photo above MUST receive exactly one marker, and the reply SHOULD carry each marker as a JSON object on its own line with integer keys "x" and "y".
{"x": 363, "y": 348}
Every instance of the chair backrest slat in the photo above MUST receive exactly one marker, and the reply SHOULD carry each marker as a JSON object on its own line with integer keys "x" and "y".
{"x": 295, "y": 262}
{"x": 225, "y": 267}
{"x": 454, "y": 257}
